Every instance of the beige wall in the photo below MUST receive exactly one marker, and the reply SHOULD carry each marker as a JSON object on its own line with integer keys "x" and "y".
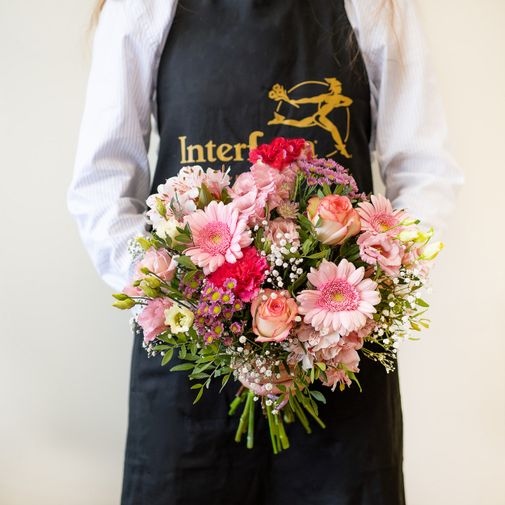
{"x": 64, "y": 357}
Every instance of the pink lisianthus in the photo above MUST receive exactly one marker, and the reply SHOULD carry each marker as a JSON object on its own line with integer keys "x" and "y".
{"x": 379, "y": 216}
{"x": 152, "y": 318}
{"x": 283, "y": 229}
{"x": 157, "y": 261}
{"x": 248, "y": 272}
{"x": 379, "y": 248}
{"x": 342, "y": 300}
{"x": 218, "y": 236}
{"x": 273, "y": 317}
{"x": 334, "y": 218}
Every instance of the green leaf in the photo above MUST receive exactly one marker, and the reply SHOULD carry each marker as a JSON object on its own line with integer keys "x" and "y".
{"x": 199, "y": 376}
{"x": 144, "y": 243}
{"x": 182, "y": 367}
{"x": 197, "y": 386}
{"x": 307, "y": 246}
{"x": 318, "y": 396}
{"x": 198, "y": 396}
{"x": 185, "y": 261}
{"x": 183, "y": 238}
{"x": 161, "y": 347}
{"x": 318, "y": 255}
{"x": 183, "y": 351}
{"x": 167, "y": 357}
{"x": 188, "y": 277}
{"x": 421, "y": 302}
{"x": 305, "y": 223}
{"x": 205, "y": 196}
{"x": 225, "y": 197}
{"x": 160, "y": 207}
{"x": 224, "y": 381}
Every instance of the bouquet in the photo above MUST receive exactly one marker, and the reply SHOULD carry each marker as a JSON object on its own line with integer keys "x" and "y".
{"x": 285, "y": 276}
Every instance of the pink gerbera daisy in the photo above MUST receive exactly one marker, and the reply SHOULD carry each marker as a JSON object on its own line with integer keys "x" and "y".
{"x": 343, "y": 301}
{"x": 218, "y": 236}
{"x": 379, "y": 215}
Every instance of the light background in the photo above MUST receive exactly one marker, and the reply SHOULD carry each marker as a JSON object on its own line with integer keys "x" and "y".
{"x": 64, "y": 361}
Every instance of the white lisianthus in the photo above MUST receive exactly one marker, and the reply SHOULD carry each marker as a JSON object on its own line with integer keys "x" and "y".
{"x": 415, "y": 235}
{"x": 167, "y": 228}
{"x": 430, "y": 251}
{"x": 180, "y": 319}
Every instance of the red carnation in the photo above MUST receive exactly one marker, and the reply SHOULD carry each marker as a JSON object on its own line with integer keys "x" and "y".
{"x": 279, "y": 153}
{"x": 248, "y": 271}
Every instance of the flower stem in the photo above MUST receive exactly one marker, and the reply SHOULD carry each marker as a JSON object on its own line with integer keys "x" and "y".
{"x": 243, "y": 419}
{"x": 300, "y": 413}
{"x": 250, "y": 428}
{"x": 282, "y": 433}
{"x": 271, "y": 427}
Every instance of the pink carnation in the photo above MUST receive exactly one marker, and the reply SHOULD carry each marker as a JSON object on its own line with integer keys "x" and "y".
{"x": 248, "y": 272}
{"x": 152, "y": 318}
{"x": 379, "y": 248}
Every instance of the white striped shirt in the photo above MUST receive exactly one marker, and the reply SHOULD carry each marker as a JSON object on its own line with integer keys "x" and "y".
{"x": 112, "y": 175}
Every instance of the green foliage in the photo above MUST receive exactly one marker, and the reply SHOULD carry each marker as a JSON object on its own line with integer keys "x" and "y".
{"x": 185, "y": 262}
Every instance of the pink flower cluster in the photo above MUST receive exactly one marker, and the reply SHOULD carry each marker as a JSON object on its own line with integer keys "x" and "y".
{"x": 248, "y": 246}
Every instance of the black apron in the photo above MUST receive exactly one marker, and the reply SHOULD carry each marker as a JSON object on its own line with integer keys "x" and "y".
{"x": 234, "y": 74}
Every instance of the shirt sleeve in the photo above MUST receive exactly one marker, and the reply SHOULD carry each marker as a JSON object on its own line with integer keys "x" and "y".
{"x": 111, "y": 178}
{"x": 409, "y": 136}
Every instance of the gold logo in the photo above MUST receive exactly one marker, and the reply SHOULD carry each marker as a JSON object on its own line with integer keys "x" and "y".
{"x": 326, "y": 103}
{"x": 331, "y": 99}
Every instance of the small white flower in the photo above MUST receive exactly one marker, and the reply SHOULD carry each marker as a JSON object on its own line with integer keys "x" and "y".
{"x": 180, "y": 319}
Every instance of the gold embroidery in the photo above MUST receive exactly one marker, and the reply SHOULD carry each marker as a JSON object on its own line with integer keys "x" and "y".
{"x": 211, "y": 152}
{"x": 326, "y": 103}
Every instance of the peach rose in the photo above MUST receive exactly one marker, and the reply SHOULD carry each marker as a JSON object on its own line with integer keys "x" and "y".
{"x": 334, "y": 217}
{"x": 159, "y": 262}
{"x": 273, "y": 317}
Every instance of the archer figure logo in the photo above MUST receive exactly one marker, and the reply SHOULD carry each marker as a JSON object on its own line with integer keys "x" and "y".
{"x": 326, "y": 102}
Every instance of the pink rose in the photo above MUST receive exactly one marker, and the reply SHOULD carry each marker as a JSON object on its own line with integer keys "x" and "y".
{"x": 273, "y": 318}
{"x": 380, "y": 248}
{"x": 279, "y": 228}
{"x": 152, "y": 318}
{"x": 334, "y": 217}
{"x": 159, "y": 262}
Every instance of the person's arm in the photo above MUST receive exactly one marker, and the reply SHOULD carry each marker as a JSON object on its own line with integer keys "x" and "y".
{"x": 410, "y": 135}
{"x": 111, "y": 174}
